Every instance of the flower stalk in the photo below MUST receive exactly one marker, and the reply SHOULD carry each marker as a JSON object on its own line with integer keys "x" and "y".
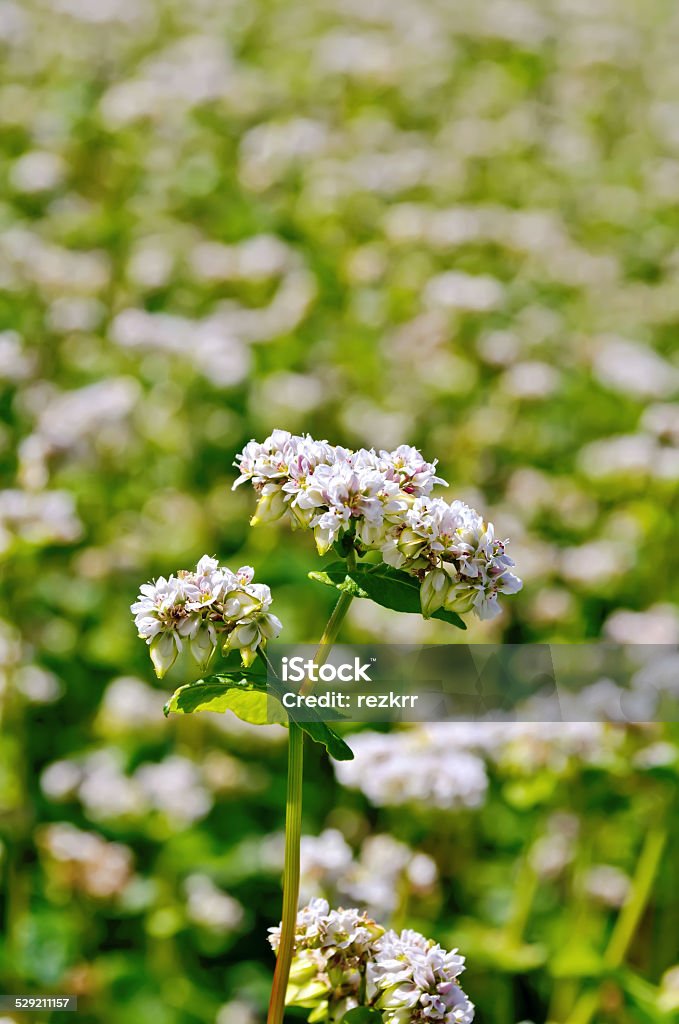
{"x": 293, "y": 834}
{"x": 293, "y": 821}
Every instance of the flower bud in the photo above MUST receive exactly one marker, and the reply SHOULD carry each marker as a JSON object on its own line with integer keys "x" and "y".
{"x": 300, "y": 518}
{"x": 164, "y": 650}
{"x": 270, "y": 506}
{"x": 433, "y": 591}
{"x": 310, "y": 994}
{"x": 202, "y": 647}
{"x": 410, "y": 544}
{"x": 239, "y": 604}
{"x": 324, "y": 540}
{"x": 302, "y": 969}
{"x": 460, "y": 598}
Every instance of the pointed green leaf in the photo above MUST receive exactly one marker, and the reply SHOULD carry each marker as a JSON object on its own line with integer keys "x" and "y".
{"x": 316, "y": 728}
{"x": 245, "y": 697}
{"x": 320, "y": 732}
{"x": 362, "y": 1015}
{"x": 253, "y": 699}
{"x": 391, "y": 588}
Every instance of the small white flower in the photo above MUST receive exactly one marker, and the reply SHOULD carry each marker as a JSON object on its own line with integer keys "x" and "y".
{"x": 414, "y": 474}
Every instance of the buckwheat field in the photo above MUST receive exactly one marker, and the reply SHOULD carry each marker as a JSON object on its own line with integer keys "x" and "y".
{"x": 337, "y": 252}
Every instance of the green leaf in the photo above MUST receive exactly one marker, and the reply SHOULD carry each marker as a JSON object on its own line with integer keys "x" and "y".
{"x": 244, "y": 694}
{"x": 391, "y": 588}
{"x": 253, "y": 699}
{"x": 320, "y": 732}
{"x": 362, "y": 1015}
{"x": 347, "y": 585}
{"x": 316, "y": 728}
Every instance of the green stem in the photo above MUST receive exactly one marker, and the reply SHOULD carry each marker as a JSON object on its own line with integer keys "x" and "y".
{"x": 293, "y": 823}
{"x": 631, "y": 913}
{"x": 525, "y": 889}
{"x": 628, "y": 919}
{"x": 293, "y": 834}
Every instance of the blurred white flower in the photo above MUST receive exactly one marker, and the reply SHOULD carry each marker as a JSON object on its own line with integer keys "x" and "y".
{"x": 269, "y": 149}
{"x": 236, "y": 1012}
{"x": 217, "y": 351}
{"x": 38, "y": 685}
{"x": 129, "y": 704}
{"x": 174, "y": 786}
{"x": 60, "y": 779}
{"x": 70, "y": 313}
{"x": 255, "y": 259}
{"x": 626, "y": 453}
{"x": 48, "y": 517}
{"x": 634, "y": 369}
{"x": 531, "y": 380}
{"x": 657, "y": 755}
{"x": 555, "y": 850}
{"x": 16, "y": 360}
{"x": 191, "y": 71}
{"x": 68, "y": 417}
{"x": 455, "y": 290}
{"x": 408, "y": 767}
{"x": 53, "y": 269}
{"x": 100, "y": 868}
{"x": 595, "y": 562}
{"x": 104, "y": 790}
{"x": 210, "y": 907}
{"x": 607, "y": 884}
{"x": 324, "y": 859}
{"x": 372, "y": 880}
{"x": 656, "y": 625}
{"x": 37, "y": 171}
{"x": 151, "y": 264}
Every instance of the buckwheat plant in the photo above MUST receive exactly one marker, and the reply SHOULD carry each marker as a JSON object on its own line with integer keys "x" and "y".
{"x": 400, "y": 547}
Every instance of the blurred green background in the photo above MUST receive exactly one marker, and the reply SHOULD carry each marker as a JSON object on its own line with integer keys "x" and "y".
{"x": 379, "y": 221}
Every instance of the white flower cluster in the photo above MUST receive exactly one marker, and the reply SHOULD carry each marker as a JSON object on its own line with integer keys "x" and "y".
{"x": 446, "y": 765}
{"x": 175, "y": 788}
{"x": 204, "y": 608}
{"x": 344, "y": 959}
{"x": 381, "y": 501}
{"x": 414, "y": 767}
{"x": 86, "y": 861}
{"x": 462, "y": 565}
{"x": 332, "y": 949}
{"x": 332, "y": 489}
{"x": 414, "y": 979}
